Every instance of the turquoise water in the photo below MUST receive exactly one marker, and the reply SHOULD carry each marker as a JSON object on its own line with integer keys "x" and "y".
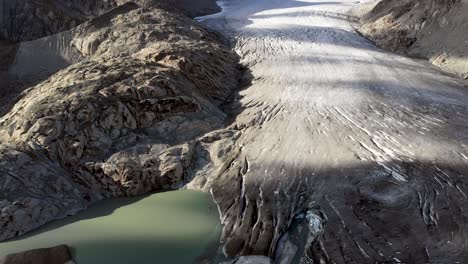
{"x": 171, "y": 227}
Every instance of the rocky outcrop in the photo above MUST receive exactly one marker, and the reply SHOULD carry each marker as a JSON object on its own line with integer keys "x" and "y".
{"x": 250, "y": 260}
{"x": 26, "y": 20}
{"x": 126, "y": 119}
{"x": 23, "y": 20}
{"x": 25, "y": 64}
{"x": 189, "y": 7}
{"x": 435, "y": 29}
{"x": 56, "y": 255}
{"x": 7, "y": 51}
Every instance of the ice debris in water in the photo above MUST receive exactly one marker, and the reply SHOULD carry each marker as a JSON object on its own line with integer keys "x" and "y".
{"x": 315, "y": 222}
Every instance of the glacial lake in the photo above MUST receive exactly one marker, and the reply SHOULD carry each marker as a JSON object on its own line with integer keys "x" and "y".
{"x": 171, "y": 227}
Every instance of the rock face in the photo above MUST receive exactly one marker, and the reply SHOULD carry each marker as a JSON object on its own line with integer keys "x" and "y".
{"x": 127, "y": 119}
{"x": 7, "y": 56}
{"x": 56, "y": 255}
{"x": 435, "y": 29}
{"x": 26, "y": 20}
{"x": 21, "y": 66}
{"x": 23, "y": 20}
{"x": 251, "y": 260}
{"x": 190, "y": 7}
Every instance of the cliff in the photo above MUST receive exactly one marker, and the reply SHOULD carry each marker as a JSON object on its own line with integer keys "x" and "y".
{"x": 433, "y": 29}
{"x": 127, "y": 117}
{"x": 23, "y": 20}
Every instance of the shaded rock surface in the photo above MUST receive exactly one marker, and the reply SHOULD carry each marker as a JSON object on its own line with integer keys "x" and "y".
{"x": 32, "y": 62}
{"x": 56, "y": 255}
{"x": 251, "y": 260}
{"x": 128, "y": 117}
{"x": 191, "y": 7}
{"x": 30, "y": 19}
{"x": 23, "y": 20}
{"x": 7, "y": 57}
{"x": 376, "y": 143}
{"x": 434, "y": 29}
{"x": 27, "y": 63}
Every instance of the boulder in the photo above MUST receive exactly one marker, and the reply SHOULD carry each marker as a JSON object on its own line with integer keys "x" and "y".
{"x": 55, "y": 255}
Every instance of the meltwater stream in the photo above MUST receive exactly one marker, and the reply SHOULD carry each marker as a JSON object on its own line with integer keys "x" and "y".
{"x": 172, "y": 227}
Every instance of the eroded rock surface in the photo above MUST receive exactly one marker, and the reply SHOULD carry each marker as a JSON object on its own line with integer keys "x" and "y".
{"x": 56, "y": 255}
{"x": 434, "y": 29}
{"x": 127, "y": 119}
{"x": 23, "y": 20}
{"x": 375, "y": 143}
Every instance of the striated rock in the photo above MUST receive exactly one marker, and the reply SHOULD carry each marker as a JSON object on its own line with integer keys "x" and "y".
{"x": 23, "y": 20}
{"x": 436, "y": 30}
{"x": 126, "y": 119}
{"x": 26, "y": 20}
{"x": 56, "y": 255}
{"x": 250, "y": 260}
{"x": 27, "y": 63}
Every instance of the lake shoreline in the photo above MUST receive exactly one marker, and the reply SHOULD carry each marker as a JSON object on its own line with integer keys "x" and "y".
{"x": 147, "y": 227}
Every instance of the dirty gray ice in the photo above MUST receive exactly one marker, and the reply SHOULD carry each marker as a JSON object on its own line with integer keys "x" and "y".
{"x": 375, "y": 142}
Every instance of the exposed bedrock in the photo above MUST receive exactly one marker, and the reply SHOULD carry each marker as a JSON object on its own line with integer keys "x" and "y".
{"x": 130, "y": 117}
{"x": 23, "y": 20}
{"x": 56, "y": 255}
{"x": 434, "y": 29}
{"x": 29, "y": 57}
{"x": 336, "y": 149}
